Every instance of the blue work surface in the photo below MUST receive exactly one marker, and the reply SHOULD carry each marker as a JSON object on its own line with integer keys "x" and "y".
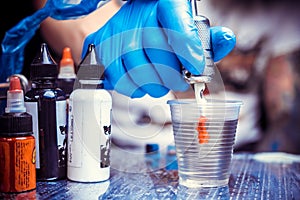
{"x": 139, "y": 176}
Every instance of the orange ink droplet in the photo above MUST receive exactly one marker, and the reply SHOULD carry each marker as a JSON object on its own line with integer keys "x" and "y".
{"x": 202, "y": 132}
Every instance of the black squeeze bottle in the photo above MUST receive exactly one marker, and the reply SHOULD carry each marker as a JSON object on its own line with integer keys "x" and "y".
{"x": 47, "y": 105}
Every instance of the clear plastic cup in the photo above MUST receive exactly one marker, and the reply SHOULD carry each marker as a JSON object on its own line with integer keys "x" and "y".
{"x": 204, "y": 136}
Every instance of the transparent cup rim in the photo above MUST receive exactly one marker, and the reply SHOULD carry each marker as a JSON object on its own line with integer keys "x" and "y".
{"x": 210, "y": 102}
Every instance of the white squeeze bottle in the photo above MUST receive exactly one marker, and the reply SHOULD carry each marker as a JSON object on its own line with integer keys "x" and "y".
{"x": 89, "y": 126}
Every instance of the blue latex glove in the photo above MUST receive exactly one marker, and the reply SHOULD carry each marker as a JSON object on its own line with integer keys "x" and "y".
{"x": 145, "y": 44}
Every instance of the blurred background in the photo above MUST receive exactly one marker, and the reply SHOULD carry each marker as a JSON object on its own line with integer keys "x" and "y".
{"x": 262, "y": 70}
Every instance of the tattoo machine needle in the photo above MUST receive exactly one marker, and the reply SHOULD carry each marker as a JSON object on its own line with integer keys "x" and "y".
{"x": 198, "y": 81}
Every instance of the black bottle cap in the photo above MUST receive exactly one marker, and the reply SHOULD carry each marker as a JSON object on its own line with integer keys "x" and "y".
{"x": 90, "y": 70}
{"x": 43, "y": 65}
{"x": 15, "y": 124}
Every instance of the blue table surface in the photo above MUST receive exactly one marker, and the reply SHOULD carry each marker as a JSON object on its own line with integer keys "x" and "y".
{"x": 139, "y": 176}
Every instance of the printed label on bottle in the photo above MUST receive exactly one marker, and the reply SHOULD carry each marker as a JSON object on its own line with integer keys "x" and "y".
{"x": 89, "y": 133}
{"x": 61, "y": 106}
{"x": 24, "y": 165}
{"x": 61, "y": 117}
{"x": 105, "y": 148}
{"x": 74, "y": 140}
{"x": 5, "y": 170}
{"x": 105, "y": 119}
{"x": 32, "y": 108}
{"x": 17, "y": 165}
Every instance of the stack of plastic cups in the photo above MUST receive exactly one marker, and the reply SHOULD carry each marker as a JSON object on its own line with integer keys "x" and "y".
{"x": 204, "y": 137}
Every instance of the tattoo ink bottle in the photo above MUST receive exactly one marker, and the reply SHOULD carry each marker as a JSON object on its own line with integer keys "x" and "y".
{"x": 47, "y": 105}
{"x": 89, "y": 123}
{"x": 17, "y": 144}
{"x": 66, "y": 76}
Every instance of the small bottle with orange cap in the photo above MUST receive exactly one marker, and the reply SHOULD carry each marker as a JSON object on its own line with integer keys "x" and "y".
{"x": 17, "y": 143}
{"x": 66, "y": 76}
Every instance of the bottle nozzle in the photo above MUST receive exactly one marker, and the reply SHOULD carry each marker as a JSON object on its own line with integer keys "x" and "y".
{"x": 15, "y": 96}
{"x": 91, "y": 71}
{"x": 66, "y": 69}
{"x": 43, "y": 65}
{"x": 15, "y": 84}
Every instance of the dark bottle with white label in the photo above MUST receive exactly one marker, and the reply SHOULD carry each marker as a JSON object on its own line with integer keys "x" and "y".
{"x": 47, "y": 105}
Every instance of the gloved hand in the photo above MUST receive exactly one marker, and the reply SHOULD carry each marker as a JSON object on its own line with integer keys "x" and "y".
{"x": 144, "y": 45}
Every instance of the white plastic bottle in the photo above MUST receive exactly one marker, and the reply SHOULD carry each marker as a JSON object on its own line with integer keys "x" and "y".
{"x": 89, "y": 126}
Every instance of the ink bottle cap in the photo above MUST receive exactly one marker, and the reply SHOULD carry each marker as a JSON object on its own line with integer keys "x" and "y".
{"x": 16, "y": 124}
{"x": 43, "y": 65}
{"x": 15, "y": 121}
{"x": 66, "y": 66}
{"x": 90, "y": 70}
{"x": 15, "y": 96}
